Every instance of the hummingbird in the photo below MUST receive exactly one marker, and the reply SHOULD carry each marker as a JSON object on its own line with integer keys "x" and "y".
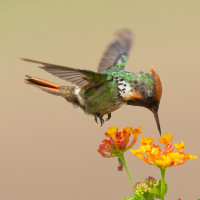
{"x": 102, "y": 92}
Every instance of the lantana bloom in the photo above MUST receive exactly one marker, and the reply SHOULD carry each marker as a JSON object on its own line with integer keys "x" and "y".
{"x": 118, "y": 141}
{"x": 152, "y": 154}
{"x": 146, "y": 185}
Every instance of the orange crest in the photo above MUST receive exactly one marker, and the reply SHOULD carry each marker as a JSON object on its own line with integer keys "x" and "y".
{"x": 158, "y": 85}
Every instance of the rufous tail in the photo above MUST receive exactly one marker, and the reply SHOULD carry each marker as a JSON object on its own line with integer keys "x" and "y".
{"x": 68, "y": 92}
{"x": 44, "y": 85}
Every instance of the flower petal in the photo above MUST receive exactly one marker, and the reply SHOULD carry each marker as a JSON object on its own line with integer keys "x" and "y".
{"x": 146, "y": 141}
{"x": 125, "y": 130}
{"x": 190, "y": 157}
{"x": 138, "y": 153}
{"x": 137, "y": 131}
{"x": 111, "y": 131}
{"x": 180, "y": 146}
{"x": 166, "y": 138}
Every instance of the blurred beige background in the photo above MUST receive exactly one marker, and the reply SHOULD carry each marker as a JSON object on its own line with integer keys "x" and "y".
{"x": 48, "y": 149}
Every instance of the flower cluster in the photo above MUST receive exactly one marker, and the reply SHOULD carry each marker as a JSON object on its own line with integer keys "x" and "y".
{"x": 150, "y": 181}
{"x": 167, "y": 158}
{"x": 145, "y": 185}
{"x": 118, "y": 141}
{"x": 147, "y": 189}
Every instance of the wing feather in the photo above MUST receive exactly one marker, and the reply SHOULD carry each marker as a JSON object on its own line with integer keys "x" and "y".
{"x": 116, "y": 50}
{"x": 82, "y": 78}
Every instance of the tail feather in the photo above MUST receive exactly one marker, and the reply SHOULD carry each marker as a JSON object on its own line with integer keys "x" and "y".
{"x": 44, "y": 85}
{"x": 68, "y": 92}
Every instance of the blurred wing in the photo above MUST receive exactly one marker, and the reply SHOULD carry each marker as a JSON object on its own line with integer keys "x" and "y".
{"x": 117, "y": 52}
{"x": 82, "y": 78}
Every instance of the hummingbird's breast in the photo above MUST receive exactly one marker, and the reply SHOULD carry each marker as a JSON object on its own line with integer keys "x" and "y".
{"x": 102, "y": 99}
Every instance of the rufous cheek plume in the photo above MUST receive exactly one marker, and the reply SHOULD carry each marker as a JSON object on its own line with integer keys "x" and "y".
{"x": 158, "y": 85}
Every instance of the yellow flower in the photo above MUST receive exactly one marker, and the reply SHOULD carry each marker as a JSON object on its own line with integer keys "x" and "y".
{"x": 190, "y": 157}
{"x": 152, "y": 154}
{"x": 166, "y": 138}
{"x": 162, "y": 161}
{"x": 147, "y": 148}
{"x": 136, "y": 152}
{"x": 155, "y": 151}
{"x": 111, "y": 131}
{"x": 179, "y": 146}
{"x": 174, "y": 157}
{"x": 145, "y": 141}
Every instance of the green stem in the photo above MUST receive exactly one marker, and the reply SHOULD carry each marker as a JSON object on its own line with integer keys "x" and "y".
{"x": 121, "y": 157}
{"x": 162, "y": 183}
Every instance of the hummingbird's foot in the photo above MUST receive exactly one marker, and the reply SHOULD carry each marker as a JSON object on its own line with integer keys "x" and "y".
{"x": 95, "y": 117}
{"x": 109, "y": 116}
{"x": 100, "y": 117}
{"x": 101, "y": 120}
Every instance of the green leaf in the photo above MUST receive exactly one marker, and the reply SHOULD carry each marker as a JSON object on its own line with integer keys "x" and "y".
{"x": 136, "y": 197}
{"x": 128, "y": 198}
{"x": 139, "y": 196}
{"x": 154, "y": 190}
{"x": 149, "y": 196}
{"x": 158, "y": 186}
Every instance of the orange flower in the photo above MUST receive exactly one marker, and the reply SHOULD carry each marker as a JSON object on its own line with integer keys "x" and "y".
{"x": 179, "y": 146}
{"x": 166, "y": 138}
{"x": 119, "y": 141}
{"x": 153, "y": 155}
{"x": 146, "y": 141}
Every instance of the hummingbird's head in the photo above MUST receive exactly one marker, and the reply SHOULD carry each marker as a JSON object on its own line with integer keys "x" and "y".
{"x": 150, "y": 100}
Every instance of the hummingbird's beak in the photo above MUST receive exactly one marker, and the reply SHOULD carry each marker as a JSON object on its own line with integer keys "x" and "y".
{"x": 157, "y": 121}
